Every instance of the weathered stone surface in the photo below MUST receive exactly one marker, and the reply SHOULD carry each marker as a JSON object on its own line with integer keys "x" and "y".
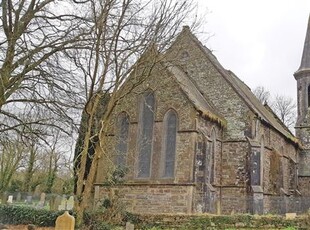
{"x": 130, "y": 226}
{"x": 65, "y": 222}
{"x": 3, "y": 227}
{"x": 31, "y": 227}
{"x": 290, "y": 216}
{"x": 212, "y": 174}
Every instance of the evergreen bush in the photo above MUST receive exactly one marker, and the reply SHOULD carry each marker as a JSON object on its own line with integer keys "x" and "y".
{"x": 15, "y": 215}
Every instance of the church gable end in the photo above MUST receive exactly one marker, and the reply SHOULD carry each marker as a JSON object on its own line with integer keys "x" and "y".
{"x": 194, "y": 138}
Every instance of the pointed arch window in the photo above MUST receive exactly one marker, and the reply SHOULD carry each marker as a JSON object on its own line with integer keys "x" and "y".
{"x": 212, "y": 156}
{"x": 169, "y": 143}
{"x": 122, "y": 139}
{"x": 146, "y": 134}
{"x": 308, "y": 95}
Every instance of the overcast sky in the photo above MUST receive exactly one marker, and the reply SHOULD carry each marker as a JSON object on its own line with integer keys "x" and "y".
{"x": 261, "y": 41}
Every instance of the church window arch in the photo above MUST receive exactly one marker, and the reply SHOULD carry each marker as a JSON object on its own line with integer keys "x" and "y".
{"x": 145, "y": 145}
{"x": 169, "y": 143}
{"x": 261, "y": 164}
{"x": 308, "y": 95}
{"x": 122, "y": 139}
{"x": 212, "y": 156}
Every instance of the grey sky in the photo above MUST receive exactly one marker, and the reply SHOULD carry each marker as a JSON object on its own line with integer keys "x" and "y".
{"x": 260, "y": 41}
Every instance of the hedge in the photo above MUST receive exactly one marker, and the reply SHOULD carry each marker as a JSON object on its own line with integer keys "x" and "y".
{"x": 23, "y": 215}
{"x": 10, "y": 214}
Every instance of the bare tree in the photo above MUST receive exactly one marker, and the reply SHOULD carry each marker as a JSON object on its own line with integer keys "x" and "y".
{"x": 11, "y": 154}
{"x": 262, "y": 94}
{"x": 285, "y": 108}
{"x": 34, "y": 80}
{"x": 122, "y": 32}
{"x": 53, "y": 153}
{"x": 53, "y": 62}
{"x": 30, "y": 166}
{"x": 39, "y": 91}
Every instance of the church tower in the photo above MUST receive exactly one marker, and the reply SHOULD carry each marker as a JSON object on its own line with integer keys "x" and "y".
{"x": 302, "y": 76}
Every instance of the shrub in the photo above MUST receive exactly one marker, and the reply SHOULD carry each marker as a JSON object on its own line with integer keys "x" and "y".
{"x": 10, "y": 214}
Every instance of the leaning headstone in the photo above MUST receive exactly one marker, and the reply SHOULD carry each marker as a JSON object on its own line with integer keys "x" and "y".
{"x": 130, "y": 226}
{"x": 65, "y": 222}
{"x": 10, "y": 199}
{"x": 42, "y": 199}
{"x": 70, "y": 203}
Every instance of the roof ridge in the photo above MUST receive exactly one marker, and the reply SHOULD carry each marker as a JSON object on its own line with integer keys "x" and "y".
{"x": 265, "y": 114}
{"x": 199, "y": 101}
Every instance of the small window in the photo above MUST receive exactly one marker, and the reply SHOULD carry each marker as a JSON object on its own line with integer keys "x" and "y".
{"x": 122, "y": 139}
{"x": 146, "y": 134}
{"x": 169, "y": 142}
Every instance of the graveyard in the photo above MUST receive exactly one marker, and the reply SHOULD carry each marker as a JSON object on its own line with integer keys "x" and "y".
{"x": 50, "y": 202}
{"x": 52, "y": 212}
{"x": 116, "y": 115}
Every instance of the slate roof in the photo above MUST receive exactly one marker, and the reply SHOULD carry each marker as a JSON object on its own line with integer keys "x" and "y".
{"x": 243, "y": 91}
{"x": 199, "y": 101}
{"x": 305, "y": 60}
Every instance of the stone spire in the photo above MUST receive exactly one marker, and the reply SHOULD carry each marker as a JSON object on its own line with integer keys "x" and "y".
{"x": 305, "y": 60}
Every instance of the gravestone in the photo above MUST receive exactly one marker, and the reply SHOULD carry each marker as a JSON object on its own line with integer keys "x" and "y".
{"x": 29, "y": 199}
{"x": 18, "y": 197}
{"x": 63, "y": 204}
{"x": 56, "y": 204}
{"x": 130, "y": 226}
{"x": 65, "y": 222}
{"x": 42, "y": 199}
{"x": 70, "y": 203}
{"x": 3, "y": 227}
{"x": 10, "y": 199}
{"x": 52, "y": 203}
{"x": 290, "y": 216}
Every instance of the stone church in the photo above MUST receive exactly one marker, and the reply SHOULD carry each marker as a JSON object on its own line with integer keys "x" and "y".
{"x": 193, "y": 138}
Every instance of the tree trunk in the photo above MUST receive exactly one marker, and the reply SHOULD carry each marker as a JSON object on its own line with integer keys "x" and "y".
{"x": 30, "y": 171}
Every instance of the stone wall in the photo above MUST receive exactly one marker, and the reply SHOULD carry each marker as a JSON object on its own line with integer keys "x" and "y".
{"x": 234, "y": 163}
{"x": 151, "y": 198}
{"x": 231, "y": 185}
{"x": 277, "y": 145}
{"x": 234, "y": 200}
{"x": 304, "y": 185}
{"x": 211, "y": 83}
{"x": 168, "y": 95}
